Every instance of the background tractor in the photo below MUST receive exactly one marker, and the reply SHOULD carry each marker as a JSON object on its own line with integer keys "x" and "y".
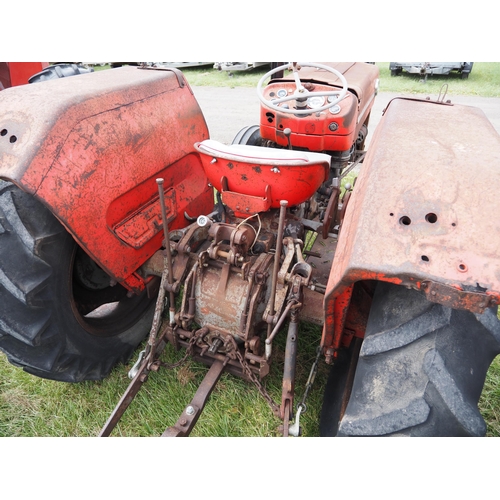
{"x": 109, "y": 231}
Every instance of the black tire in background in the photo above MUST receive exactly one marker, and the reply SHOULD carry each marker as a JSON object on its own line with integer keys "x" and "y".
{"x": 60, "y": 318}
{"x": 61, "y": 70}
{"x": 466, "y": 70}
{"x": 395, "y": 70}
{"x": 249, "y": 136}
{"x": 421, "y": 368}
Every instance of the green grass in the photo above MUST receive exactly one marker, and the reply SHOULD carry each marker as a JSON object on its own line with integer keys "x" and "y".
{"x": 30, "y": 406}
{"x": 33, "y": 407}
{"x": 489, "y": 404}
{"x": 208, "y": 76}
{"x": 484, "y": 80}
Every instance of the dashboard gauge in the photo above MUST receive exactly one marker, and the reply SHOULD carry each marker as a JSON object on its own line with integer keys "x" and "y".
{"x": 335, "y": 110}
{"x": 282, "y": 93}
{"x": 315, "y": 102}
{"x": 333, "y": 98}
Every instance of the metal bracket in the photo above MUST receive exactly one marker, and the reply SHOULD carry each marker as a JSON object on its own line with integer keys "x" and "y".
{"x": 192, "y": 412}
{"x": 450, "y": 296}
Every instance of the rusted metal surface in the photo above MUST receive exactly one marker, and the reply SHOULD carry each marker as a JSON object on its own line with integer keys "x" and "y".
{"x": 312, "y": 309}
{"x": 140, "y": 227}
{"x": 224, "y": 298}
{"x": 331, "y": 210}
{"x": 226, "y": 295}
{"x": 140, "y": 377}
{"x": 335, "y": 315}
{"x": 454, "y": 297}
{"x": 168, "y": 254}
{"x": 321, "y": 259}
{"x": 233, "y": 366}
{"x": 192, "y": 412}
{"x": 414, "y": 215}
{"x": 276, "y": 265}
{"x": 91, "y": 147}
{"x": 238, "y": 240}
{"x": 288, "y": 385}
{"x": 127, "y": 398}
{"x": 245, "y": 204}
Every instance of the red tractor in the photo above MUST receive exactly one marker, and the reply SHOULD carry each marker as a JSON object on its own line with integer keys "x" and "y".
{"x": 18, "y": 73}
{"x": 13, "y": 74}
{"x": 107, "y": 214}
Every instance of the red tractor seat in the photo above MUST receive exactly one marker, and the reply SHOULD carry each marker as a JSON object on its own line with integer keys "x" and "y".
{"x": 253, "y": 178}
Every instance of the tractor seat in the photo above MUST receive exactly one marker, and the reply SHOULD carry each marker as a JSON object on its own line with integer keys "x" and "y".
{"x": 260, "y": 155}
{"x": 254, "y": 178}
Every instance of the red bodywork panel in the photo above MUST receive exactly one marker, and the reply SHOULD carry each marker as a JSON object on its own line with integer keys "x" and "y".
{"x": 413, "y": 218}
{"x": 91, "y": 148}
{"x": 18, "y": 73}
{"x": 313, "y": 131}
{"x": 253, "y": 179}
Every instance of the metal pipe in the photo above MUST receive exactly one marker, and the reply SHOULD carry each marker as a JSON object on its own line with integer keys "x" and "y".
{"x": 167, "y": 248}
{"x": 269, "y": 339}
{"x": 277, "y": 257}
{"x": 288, "y": 386}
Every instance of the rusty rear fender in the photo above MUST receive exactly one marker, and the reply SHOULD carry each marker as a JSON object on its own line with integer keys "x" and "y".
{"x": 423, "y": 212}
{"x": 90, "y": 147}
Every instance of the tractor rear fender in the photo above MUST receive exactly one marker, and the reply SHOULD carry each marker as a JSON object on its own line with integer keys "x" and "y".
{"x": 91, "y": 147}
{"x": 423, "y": 215}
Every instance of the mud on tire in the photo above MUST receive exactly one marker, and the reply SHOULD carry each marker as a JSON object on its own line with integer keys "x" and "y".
{"x": 50, "y": 321}
{"x": 421, "y": 368}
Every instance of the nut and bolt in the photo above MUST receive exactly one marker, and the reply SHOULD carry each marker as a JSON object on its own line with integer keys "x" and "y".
{"x": 203, "y": 220}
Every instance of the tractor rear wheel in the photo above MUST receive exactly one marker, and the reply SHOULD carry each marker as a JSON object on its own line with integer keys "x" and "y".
{"x": 421, "y": 369}
{"x": 249, "y": 136}
{"x": 338, "y": 389}
{"x": 60, "y": 318}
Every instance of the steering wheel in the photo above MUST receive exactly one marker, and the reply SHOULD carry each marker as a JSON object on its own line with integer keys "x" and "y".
{"x": 301, "y": 92}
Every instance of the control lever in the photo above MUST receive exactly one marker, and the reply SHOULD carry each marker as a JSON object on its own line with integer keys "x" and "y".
{"x": 287, "y": 133}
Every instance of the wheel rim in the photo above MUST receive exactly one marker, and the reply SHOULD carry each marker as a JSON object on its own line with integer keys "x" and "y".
{"x": 102, "y": 308}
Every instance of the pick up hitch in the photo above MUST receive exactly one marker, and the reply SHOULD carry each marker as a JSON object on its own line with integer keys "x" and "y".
{"x": 213, "y": 275}
{"x": 149, "y": 358}
{"x": 191, "y": 413}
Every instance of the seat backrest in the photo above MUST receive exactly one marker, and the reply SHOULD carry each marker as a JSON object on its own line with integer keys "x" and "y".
{"x": 256, "y": 178}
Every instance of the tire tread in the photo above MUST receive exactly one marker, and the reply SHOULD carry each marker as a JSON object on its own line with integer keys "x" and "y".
{"x": 39, "y": 329}
{"x": 422, "y": 376}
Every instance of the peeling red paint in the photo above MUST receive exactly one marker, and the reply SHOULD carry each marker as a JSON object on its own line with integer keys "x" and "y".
{"x": 97, "y": 143}
{"x": 418, "y": 226}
